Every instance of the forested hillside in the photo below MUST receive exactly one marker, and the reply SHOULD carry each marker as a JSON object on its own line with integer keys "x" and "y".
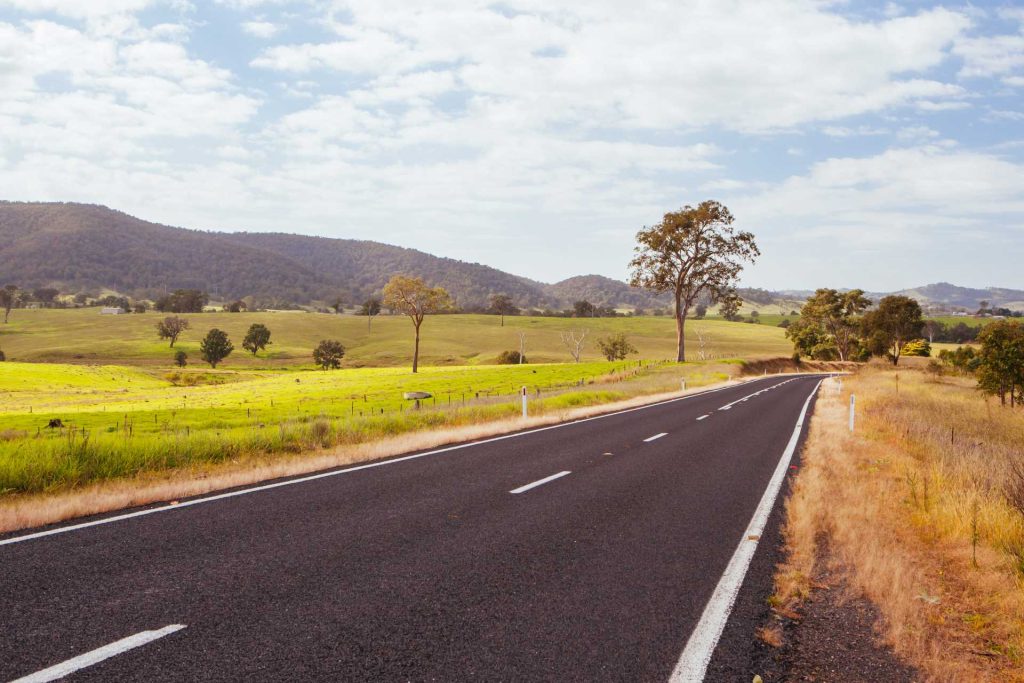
{"x": 78, "y": 247}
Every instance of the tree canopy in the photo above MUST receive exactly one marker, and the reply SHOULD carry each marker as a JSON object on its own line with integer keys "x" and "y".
{"x": 691, "y": 252}
{"x": 888, "y": 328}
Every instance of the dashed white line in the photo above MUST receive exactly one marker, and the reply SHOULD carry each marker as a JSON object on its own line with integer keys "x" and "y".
{"x": 539, "y": 482}
{"x": 728, "y": 406}
{"x": 348, "y": 470}
{"x": 655, "y": 437}
{"x": 693, "y": 663}
{"x": 98, "y": 655}
{"x": 703, "y": 417}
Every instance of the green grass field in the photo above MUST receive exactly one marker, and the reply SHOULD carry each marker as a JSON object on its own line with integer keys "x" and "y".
{"x": 121, "y": 421}
{"x": 84, "y": 336}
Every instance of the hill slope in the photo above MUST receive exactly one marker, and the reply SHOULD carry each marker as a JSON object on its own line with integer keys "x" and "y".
{"x": 77, "y": 247}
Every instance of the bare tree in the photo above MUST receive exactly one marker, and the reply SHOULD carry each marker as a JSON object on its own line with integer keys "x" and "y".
{"x": 690, "y": 252}
{"x": 574, "y": 340}
{"x": 704, "y": 349}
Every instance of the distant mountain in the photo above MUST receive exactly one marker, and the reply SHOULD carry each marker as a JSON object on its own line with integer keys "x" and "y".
{"x": 78, "y": 247}
{"x": 945, "y": 294}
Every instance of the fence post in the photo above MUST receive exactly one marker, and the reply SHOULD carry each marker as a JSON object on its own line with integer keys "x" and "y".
{"x": 853, "y": 410}
{"x": 525, "y": 410}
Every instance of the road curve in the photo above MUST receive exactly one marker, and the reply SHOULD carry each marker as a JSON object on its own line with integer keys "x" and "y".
{"x": 587, "y": 551}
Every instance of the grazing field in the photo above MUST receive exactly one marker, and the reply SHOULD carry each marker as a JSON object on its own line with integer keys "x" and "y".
{"x": 118, "y": 421}
{"x": 84, "y": 336}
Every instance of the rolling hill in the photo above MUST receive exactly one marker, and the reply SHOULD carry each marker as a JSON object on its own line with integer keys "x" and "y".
{"x": 77, "y": 247}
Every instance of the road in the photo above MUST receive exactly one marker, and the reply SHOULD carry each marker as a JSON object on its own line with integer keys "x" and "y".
{"x": 588, "y": 551}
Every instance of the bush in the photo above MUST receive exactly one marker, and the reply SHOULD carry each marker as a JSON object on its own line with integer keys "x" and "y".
{"x": 796, "y": 357}
{"x": 180, "y": 358}
{"x": 917, "y": 347}
{"x": 511, "y": 358}
{"x": 2, "y": 356}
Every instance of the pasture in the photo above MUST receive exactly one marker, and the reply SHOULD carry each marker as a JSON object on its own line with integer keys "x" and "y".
{"x": 83, "y": 336}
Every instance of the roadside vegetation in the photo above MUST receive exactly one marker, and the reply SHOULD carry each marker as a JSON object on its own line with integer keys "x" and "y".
{"x": 922, "y": 511}
{"x": 63, "y": 426}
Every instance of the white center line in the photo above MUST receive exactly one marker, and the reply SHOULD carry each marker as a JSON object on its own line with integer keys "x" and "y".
{"x": 98, "y": 655}
{"x": 539, "y": 482}
{"x": 655, "y": 437}
{"x": 703, "y": 417}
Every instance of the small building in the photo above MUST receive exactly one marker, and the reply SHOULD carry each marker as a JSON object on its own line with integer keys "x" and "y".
{"x": 111, "y": 310}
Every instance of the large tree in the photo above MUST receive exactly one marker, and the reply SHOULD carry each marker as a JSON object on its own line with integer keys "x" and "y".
{"x": 171, "y": 328}
{"x": 690, "y": 252}
{"x": 414, "y": 298}
{"x": 1001, "y": 361}
{"x": 257, "y": 338}
{"x": 328, "y": 354}
{"x": 888, "y": 328}
{"x": 501, "y": 304}
{"x": 829, "y": 323}
{"x": 215, "y": 347}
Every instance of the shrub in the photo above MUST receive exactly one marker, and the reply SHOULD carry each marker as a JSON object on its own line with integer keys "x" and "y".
{"x": 511, "y": 358}
{"x": 917, "y": 347}
{"x": 180, "y": 358}
{"x": 2, "y": 356}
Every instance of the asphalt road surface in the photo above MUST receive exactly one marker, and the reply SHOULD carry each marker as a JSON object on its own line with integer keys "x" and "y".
{"x": 592, "y": 551}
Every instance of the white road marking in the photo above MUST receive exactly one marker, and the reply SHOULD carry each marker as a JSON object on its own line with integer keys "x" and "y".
{"x": 703, "y": 417}
{"x": 98, "y": 655}
{"x": 693, "y": 663}
{"x": 727, "y": 406}
{"x": 335, "y": 473}
{"x": 539, "y": 482}
{"x": 655, "y": 437}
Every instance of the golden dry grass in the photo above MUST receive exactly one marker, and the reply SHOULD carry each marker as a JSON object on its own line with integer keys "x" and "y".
{"x": 905, "y": 507}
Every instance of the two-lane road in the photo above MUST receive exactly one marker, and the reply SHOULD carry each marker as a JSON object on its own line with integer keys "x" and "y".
{"x": 585, "y": 551}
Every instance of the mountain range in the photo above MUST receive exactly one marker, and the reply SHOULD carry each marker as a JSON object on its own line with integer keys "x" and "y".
{"x": 83, "y": 247}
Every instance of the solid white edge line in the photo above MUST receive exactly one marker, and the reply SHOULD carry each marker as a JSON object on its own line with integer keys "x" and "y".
{"x": 98, "y": 655}
{"x": 655, "y": 437}
{"x": 693, "y": 663}
{"x": 540, "y": 482}
{"x": 334, "y": 473}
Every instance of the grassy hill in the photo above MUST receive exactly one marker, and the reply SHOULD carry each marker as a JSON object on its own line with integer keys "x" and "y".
{"x": 84, "y": 336}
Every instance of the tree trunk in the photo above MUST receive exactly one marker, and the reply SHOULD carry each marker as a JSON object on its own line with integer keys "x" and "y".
{"x": 680, "y": 331}
{"x": 416, "y": 352}
{"x": 369, "y": 319}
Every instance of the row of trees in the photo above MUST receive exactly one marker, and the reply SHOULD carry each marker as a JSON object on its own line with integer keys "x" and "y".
{"x": 997, "y": 363}
{"x": 836, "y": 325}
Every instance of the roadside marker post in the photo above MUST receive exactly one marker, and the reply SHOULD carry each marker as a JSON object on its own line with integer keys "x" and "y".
{"x": 525, "y": 409}
{"x": 682, "y": 384}
{"x": 853, "y": 410}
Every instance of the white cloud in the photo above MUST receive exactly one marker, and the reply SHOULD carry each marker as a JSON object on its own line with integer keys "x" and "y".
{"x": 747, "y": 66}
{"x": 78, "y": 9}
{"x": 261, "y": 29}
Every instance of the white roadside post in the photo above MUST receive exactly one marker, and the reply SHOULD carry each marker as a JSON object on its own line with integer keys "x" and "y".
{"x": 853, "y": 406}
{"x": 525, "y": 411}
{"x": 682, "y": 384}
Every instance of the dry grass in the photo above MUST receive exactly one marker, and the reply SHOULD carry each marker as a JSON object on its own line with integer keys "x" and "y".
{"x": 915, "y": 510}
{"x": 24, "y": 511}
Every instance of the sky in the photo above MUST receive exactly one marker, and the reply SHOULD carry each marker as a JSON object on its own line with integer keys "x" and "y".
{"x": 865, "y": 144}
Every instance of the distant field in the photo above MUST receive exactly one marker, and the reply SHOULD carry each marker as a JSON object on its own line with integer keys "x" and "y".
{"x": 84, "y": 336}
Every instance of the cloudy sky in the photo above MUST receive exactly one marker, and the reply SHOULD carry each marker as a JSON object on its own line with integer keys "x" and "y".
{"x": 870, "y": 144}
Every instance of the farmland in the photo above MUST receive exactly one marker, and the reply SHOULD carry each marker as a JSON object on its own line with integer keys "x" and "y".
{"x": 84, "y": 336}
{"x": 87, "y": 398}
